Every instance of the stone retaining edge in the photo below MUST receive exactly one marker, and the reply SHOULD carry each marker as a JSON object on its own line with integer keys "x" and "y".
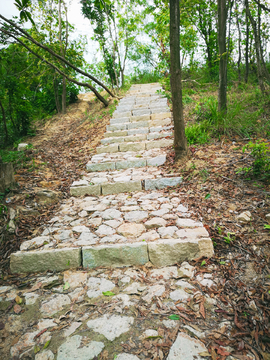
{"x": 161, "y": 253}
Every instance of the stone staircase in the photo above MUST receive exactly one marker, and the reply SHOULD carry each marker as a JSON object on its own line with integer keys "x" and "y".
{"x": 126, "y": 219}
{"x": 139, "y": 131}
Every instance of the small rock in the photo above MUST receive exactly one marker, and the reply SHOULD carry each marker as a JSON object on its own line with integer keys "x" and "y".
{"x": 22, "y": 146}
{"x": 54, "y": 305}
{"x": 35, "y": 242}
{"x": 97, "y": 286}
{"x": 131, "y": 230}
{"x": 186, "y": 348}
{"x": 72, "y": 328}
{"x": 31, "y": 298}
{"x": 149, "y": 236}
{"x": 170, "y": 324}
{"x": 45, "y": 355}
{"x": 186, "y": 270}
{"x": 156, "y": 222}
{"x": 244, "y": 217}
{"x": 80, "y": 229}
{"x": 136, "y": 216}
{"x": 135, "y": 288}
{"x": 73, "y": 349}
{"x": 104, "y": 230}
{"x": 125, "y": 356}
{"x": 111, "y": 214}
{"x": 155, "y": 290}
{"x": 148, "y": 333}
{"x": 75, "y": 278}
{"x": 168, "y": 272}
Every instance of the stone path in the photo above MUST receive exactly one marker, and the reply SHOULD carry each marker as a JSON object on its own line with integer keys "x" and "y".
{"x": 126, "y": 226}
{"x": 131, "y": 242}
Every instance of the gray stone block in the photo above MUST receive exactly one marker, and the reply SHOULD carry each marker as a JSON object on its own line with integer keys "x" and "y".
{"x": 139, "y": 124}
{"x": 138, "y": 131}
{"x": 85, "y": 190}
{"x": 132, "y": 147}
{"x": 112, "y": 148}
{"x": 134, "y": 138}
{"x": 160, "y": 128}
{"x": 165, "y": 122}
{"x": 130, "y": 164}
{"x": 156, "y": 161}
{"x": 141, "y": 112}
{"x": 117, "y": 255}
{"x": 119, "y": 120}
{"x": 116, "y": 127}
{"x": 140, "y": 118}
{"x": 160, "y": 110}
{"x": 162, "y": 183}
{"x": 154, "y": 136}
{"x": 112, "y": 140}
{"x": 121, "y": 187}
{"x": 43, "y": 260}
{"x": 100, "y": 166}
{"x": 161, "y": 116}
{"x": 116, "y": 133}
{"x": 158, "y": 143}
{"x": 119, "y": 115}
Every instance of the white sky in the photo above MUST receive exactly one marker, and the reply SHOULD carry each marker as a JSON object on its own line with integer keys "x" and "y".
{"x": 82, "y": 25}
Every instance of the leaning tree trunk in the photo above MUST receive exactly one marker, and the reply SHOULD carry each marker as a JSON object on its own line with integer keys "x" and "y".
{"x": 180, "y": 141}
{"x": 222, "y": 91}
{"x": 4, "y": 121}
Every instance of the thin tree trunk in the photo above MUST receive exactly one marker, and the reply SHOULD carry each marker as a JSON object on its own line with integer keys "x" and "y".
{"x": 222, "y": 91}
{"x": 180, "y": 141}
{"x": 257, "y": 47}
{"x": 239, "y": 45}
{"x": 4, "y": 121}
{"x": 56, "y": 95}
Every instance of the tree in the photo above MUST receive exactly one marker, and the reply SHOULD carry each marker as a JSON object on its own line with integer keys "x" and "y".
{"x": 180, "y": 141}
{"x": 222, "y": 22}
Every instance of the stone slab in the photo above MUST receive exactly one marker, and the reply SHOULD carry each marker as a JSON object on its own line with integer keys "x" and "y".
{"x": 186, "y": 348}
{"x": 116, "y": 133}
{"x": 112, "y": 140}
{"x": 116, "y": 127}
{"x": 171, "y": 251}
{"x": 162, "y": 183}
{"x": 85, "y": 190}
{"x": 132, "y": 146}
{"x": 140, "y": 118}
{"x": 161, "y": 116}
{"x": 138, "y": 131}
{"x": 119, "y": 115}
{"x": 156, "y": 161}
{"x": 130, "y": 164}
{"x": 43, "y": 260}
{"x": 138, "y": 124}
{"x": 107, "y": 148}
{"x": 100, "y": 167}
{"x": 154, "y": 136}
{"x": 158, "y": 143}
{"x": 134, "y": 138}
{"x": 116, "y": 255}
{"x": 121, "y": 187}
{"x": 119, "y": 120}
{"x": 165, "y": 122}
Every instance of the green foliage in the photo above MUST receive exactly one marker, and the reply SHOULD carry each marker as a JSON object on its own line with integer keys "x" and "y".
{"x": 229, "y": 238}
{"x": 145, "y": 77}
{"x": 197, "y": 134}
{"x": 260, "y": 167}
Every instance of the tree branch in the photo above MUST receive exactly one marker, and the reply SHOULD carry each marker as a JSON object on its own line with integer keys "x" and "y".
{"x": 262, "y": 6}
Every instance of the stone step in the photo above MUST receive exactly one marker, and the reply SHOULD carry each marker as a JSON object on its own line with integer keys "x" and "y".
{"x": 134, "y": 146}
{"x": 115, "y": 230}
{"x": 138, "y": 125}
{"x": 134, "y": 137}
{"x": 127, "y": 118}
{"x": 140, "y": 130}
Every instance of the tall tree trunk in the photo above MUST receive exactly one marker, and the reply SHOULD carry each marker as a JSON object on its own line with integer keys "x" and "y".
{"x": 246, "y": 50}
{"x": 239, "y": 45}
{"x": 56, "y": 94}
{"x": 4, "y": 121}
{"x": 180, "y": 141}
{"x": 257, "y": 47}
{"x": 222, "y": 91}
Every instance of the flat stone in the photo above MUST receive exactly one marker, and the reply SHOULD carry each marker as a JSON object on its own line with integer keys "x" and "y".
{"x": 125, "y": 356}
{"x": 120, "y": 115}
{"x": 116, "y": 127}
{"x": 192, "y": 233}
{"x": 126, "y": 164}
{"x": 136, "y": 216}
{"x": 56, "y": 304}
{"x": 156, "y": 161}
{"x": 244, "y": 217}
{"x": 86, "y": 238}
{"x": 75, "y": 278}
{"x": 138, "y": 131}
{"x": 167, "y": 232}
{"x": 135, "y": 288}
{"x": 45, "y": 355}
{"x": 72, "y": 328}
{"x": 155, "y": 290}
{"x": 168, "y": 272}
{"x": 131, "y": 230}
{"x": 100, "y": 167}
{"x": 45, "y": 324}
{"x": 132, "y": 147}
{"x": 122, "y": 178}
{"x": 164, "y": 122}
{"x": 86, "y": 190}
{"x": 149, "y": 333}
{"x": 113, "y": 223}
{"x": 138, "y": 124}
{"x": 179, "y": 295}
{"x": 73, "y": 349}
{"x": 171, "y": 251}
{"x": 181, "y": 208}
{"x": 113, "y": 239}
{"x": 31, "y": 298}
{"x": 186, "y": 348}
{"x": 111, "y": 326}
{"x": 186, "y": 270}
{"x": 141, "y": 112}
{"x": 80, "y": 183}
{"x": 140, "y": 118}
{"x": 99, "y": 180}
{"x": 25, "y": 341}
{"x": 116, "y": 255}
{"x": 188, "y": 223}
{"x": 110, "y": 214}
{"x": 119, "y": 120}
{"x": 156, "y": 222}
{"x": 97, "y": 286}
{"x": 121, "y": 187}
{"x": 80, "y": 228}
{"x": 43, "y": 260}
{"x": 161, "y": 116}
{"x": 93, "y": 208}
{"x": 22, "y": 146}
{"x": 35, "y": 243}
{"x": 111, "y": 148}
{"x": 112, "y": 140}
{"x": 161, "y": 183}
{"x": 170, "y": 324}
{"x": 116, "y": 133}
{"x": 105, "y": 230}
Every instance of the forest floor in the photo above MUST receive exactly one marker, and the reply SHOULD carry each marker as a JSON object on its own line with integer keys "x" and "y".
{"x": 211, "y": 188}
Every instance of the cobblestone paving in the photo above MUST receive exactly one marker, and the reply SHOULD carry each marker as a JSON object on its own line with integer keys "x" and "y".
{"x": 131, "y": 241}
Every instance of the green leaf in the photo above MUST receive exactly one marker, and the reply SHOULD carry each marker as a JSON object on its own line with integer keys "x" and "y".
{"x": 207, "y": 196}
{"x": 36, "y": 349}
{"x": 203, "y": 263}
{"x": 46, "y": 344}
{"x": 174, "y": 317}
{"x": 222, "y": 262}
{"x": 66, "y": 286}
{"x": 108, "y": 293}
{"x": 266, "y": 226}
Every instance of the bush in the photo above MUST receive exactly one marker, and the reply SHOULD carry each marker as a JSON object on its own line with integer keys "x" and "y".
{"x": 197, "y": 134}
